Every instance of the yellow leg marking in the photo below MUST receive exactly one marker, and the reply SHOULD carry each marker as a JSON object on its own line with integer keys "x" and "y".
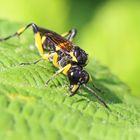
{"x": 66, "y": 68}
{"x": 55, "y": 59}
{"x": 21, "y": 30}
{"x": 39, "y": 43}
{"x": 73, "y": 57}
{"x": 64, "y": 34}
{"x": 43, "y": 39}
{"x": 74, "y": 88}
{"x": 46, "y": 56}
{"x": 57, "y": 48}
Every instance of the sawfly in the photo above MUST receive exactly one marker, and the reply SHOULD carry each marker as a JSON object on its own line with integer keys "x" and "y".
{"x": 64, "y": 54}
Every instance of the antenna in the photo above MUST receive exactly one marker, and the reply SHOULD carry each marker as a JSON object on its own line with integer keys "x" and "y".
{"x": 98, "y": 98}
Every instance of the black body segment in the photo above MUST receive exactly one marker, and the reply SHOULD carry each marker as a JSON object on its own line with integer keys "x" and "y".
{"x": 80, "y": 55}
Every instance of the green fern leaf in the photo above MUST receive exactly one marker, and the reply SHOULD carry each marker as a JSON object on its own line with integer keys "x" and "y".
{"x": 29, "y": 110}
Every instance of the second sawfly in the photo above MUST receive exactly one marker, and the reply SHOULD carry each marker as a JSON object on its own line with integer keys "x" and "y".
{"x": 67, "y": 57}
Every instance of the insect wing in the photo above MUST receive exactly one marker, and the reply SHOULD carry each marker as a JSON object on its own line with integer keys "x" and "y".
{"x": 58, "y": 40}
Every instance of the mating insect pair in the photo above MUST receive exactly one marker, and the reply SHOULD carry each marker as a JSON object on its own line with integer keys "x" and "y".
{"x": 68, "y": 58}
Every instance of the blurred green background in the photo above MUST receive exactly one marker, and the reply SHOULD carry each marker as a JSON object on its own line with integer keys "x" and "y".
{"x": 108, "y": 30}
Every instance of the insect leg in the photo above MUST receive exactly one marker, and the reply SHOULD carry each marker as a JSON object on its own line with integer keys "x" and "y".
{"x": 38, "y": 38}
{"x": 73, "y": 89}
{"x": 55, "y": 59}
{"x": 70, "y": 34}
{"x": 64, "y": 70}
{"x": 30, "y": 63}
{"x": 18, "y": 33}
